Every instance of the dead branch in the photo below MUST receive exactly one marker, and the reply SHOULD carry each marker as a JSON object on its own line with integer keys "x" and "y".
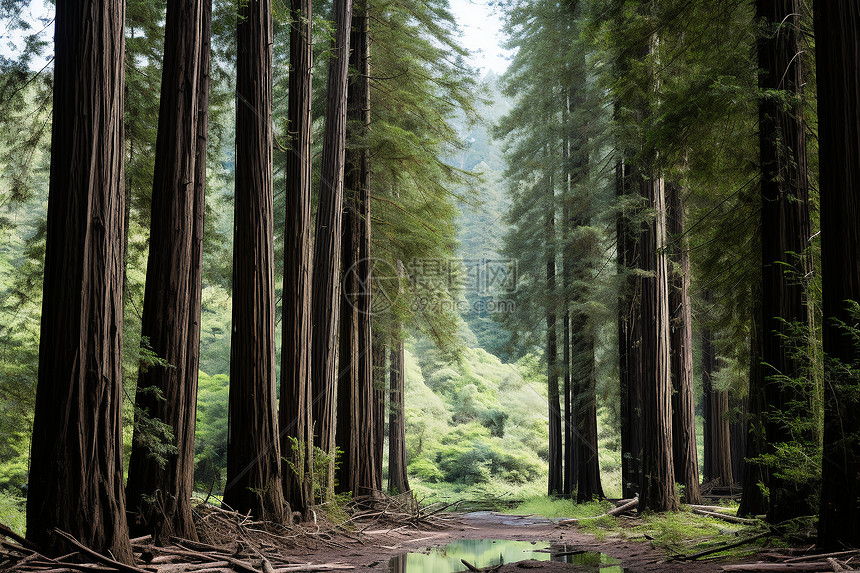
{"x": 618, "y": 510}
{"x": 83, "y": 549}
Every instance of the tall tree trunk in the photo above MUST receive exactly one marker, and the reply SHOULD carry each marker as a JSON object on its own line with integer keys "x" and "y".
{"x": 756, "y": 475}
{"x": 657, "y": 490}
{"x": 380, "y": 389}
{"x": 253, "y": 447}
{"x": 785, "y": 234}
{"x": 355, "y": 384}
{"x": 570, "y": 473}
{"x": 161, "y": 491}
{"x": 326, "y": 264}
{"x": 837, "y": 45}
{"x": 629, "y": 335}
{"x": 348, "y": 416}
{"x": 718, "y": 456}
{"x": 398, "y": 482}
{"x": 76, "y": 478}
{"x": 555, "y": 484}
{"x": 294, "y": 415}
{"x": 585, "y": 412}
{"x": 681, "y": 344}
{"x": 367, "y": 467}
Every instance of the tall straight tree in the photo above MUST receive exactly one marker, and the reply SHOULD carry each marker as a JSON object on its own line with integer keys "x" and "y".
{"x": 717, "y": 450}
{"x": 326, "y": 264}
{"x": 837, "y": 55}
{"x": 253, "y": 448}
{"x": 294, "y": 414}
{"x": 555, "y": 483}
{"x": 629, "y": 332}
{"x": 171, "y": 309}
{"x": 356, "y": 416}
{"x": 398, "y": 481}
{"x": 681, "y": 351}
{"x": 76, "y": 478}
{"x": 785, "y": 234}
{"x": 657, "y": 489}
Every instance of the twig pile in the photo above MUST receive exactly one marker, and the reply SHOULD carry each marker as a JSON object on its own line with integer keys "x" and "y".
{"x": 381, "y": 511}
{"x": 230, "y": 542}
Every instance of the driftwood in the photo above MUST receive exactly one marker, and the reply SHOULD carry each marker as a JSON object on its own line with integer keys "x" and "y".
{"x": 618, "y": 510}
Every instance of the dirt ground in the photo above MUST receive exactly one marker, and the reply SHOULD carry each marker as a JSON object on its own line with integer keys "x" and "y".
{"x": 372, "y": 550}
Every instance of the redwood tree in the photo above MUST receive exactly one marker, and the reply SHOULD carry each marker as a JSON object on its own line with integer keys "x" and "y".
{"x": 294, "y": 414}
{"x": 785, "y": 235}
{"x": 171, "y": 308}
{"x": 657, "y": 482}
{"x": 681, "y": 351}
{"x": 398, "y": 482}
{"x": 837, "y": 45}
{"x": 326, "y": 263}
{"x": 75, "y": 478}
{"x": 253, "y": 448}
{"x": 356, "y": 411}
{"x": 718, "y": 456}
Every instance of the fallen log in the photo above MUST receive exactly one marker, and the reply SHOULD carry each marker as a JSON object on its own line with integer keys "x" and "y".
{"x": 725, "y": 517}
{"x": 618, "y": 510}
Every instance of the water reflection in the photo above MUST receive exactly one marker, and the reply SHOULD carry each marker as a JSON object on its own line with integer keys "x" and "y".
{"x": 489, "y": 552}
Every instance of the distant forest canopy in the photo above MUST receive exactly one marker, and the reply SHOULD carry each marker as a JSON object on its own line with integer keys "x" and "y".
{"x": 285, "y": 255}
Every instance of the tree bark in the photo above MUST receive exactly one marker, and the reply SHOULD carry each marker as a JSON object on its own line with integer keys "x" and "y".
{"x": 555, "y": 484}
{"x": 380, "y": 389}
{"x": 756, "y": 474}
{"x": 294, "y": 414}
{"x": 171, "y": 307}
{"x": 76, "y": 478}
{"x": 585, "y": 412}
{"x": 329, "y": 220}
{"x": 398, "y": 482}
{"x": 837, "y": 45}
{"x": 718, "y": 457}
{"x": 785, "y": 234}
{"x": 657, "y": 489}
{"x": 253, "y": 448}
{"x": 629, "y": 336}
{"x": 681, "y": 352}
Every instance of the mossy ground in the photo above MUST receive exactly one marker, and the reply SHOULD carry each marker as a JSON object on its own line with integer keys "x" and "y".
{"x": 679, "y": 533}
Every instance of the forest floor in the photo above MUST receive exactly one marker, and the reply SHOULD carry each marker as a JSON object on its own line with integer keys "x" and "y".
{"x": 386, "y": 537}
{"x": 374, "y": 550}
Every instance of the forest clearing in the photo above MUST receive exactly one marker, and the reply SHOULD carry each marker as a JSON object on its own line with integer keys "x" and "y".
{"x": 448, "y": 285}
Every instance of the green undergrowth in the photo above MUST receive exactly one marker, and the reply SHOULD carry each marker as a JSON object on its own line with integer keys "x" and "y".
{"x": 680, "y": 533}
{"x": 12, "y": 511}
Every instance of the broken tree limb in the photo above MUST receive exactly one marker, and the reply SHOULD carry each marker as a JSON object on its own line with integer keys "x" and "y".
{"x": 243, "y": 565}
{"x": 618, "y": 510}
{"x": 713, "y": 550}
{"x": 12, "y": 535}
{"x": 810, "y": 566}
{"x": 95, "y": 554}
{"x": 725, "y": 517}
{"x": 821, "y": 556}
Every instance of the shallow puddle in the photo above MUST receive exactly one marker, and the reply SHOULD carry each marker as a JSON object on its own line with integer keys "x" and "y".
{"x": 489, "y": 552}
